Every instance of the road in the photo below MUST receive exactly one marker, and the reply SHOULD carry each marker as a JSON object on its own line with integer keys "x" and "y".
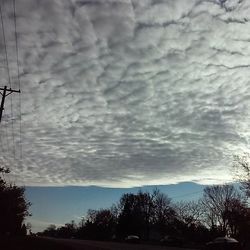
{"x": 97, "y": 245}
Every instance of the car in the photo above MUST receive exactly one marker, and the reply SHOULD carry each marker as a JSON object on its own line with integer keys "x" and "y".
{"x": 223, "y": 243}
{"x": 132, "y": 239}
{"x": 171, "y": 241}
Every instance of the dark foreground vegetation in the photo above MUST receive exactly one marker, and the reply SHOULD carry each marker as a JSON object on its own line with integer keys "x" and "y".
{"x": 222, "y": 211}
{"x": 13, "y": 207}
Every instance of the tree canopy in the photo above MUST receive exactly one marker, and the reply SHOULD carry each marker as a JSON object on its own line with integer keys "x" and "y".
{"x": 13, "y": 207}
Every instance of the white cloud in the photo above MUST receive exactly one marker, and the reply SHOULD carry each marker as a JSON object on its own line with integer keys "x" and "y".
{"x": 128, "y": 93}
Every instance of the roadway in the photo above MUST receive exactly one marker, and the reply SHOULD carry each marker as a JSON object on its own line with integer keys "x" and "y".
{"x": 100, "y": 245}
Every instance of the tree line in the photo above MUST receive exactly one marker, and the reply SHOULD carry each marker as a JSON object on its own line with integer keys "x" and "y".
{"x": 221, "y": 211}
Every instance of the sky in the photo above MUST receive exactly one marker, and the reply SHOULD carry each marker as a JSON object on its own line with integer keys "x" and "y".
{"x": 125, "y": 93}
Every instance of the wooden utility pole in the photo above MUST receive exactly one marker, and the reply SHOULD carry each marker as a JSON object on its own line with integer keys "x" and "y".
{"x": 4, "y": 94}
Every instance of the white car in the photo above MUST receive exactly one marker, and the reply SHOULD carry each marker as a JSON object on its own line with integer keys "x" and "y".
{"x": 223, "y": 243}
{"x": 132, "y": 238}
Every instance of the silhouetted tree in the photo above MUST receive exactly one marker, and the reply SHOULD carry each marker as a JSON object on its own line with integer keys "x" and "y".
{"x": 191, "y": 213}
{"x": 100, "y": 224}
{"x": 218, "y": 201}
{"x": 50, "y": 231}
{"x": 143, "y": 212}
{"x": 135, "y": 214}
{"x": 237, "y": 217}
{"x": 67, "y": 231}
{"x": 13, "y": 207}
{"x": 164, "y": 215}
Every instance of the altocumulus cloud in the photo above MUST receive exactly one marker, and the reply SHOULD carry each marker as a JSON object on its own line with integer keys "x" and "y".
{"x": 124, "y": 93}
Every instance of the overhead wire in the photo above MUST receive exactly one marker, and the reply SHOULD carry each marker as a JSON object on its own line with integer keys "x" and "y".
{"x": 16, "y": 43}
{"x": 19, "y": 86}
{"x": 8, "y": 147}
{"x": 2, "y": 148}
{"x": 12, "y": 118}
{"x": 1, "y": 142}
{"x": 12, "y": 122}
{"x": 6, "y": 154}
{"x": 6, "y": 133}
{"x": 5, "y": 46}
{"x": 7, "y": 68}
{"x": 4, "y": 140}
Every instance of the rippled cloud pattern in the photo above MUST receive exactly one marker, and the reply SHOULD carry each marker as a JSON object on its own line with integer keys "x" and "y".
{"x": 123, "y": 93}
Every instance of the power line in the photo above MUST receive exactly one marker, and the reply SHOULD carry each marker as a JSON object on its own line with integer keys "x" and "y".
{"x": 7, "y": 138}
{"x": 8, "y": 91}
{"x": 5, "y": 46}
{"x": 2, "y": 141}
{"x": 19, "y": 84}
{"x": 12, "y": 128}
{"x": 9, "y": 80}
{"x": 16, "y": 42}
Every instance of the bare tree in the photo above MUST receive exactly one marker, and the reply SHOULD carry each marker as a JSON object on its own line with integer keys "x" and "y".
{"x": 190, "y": 212}
{"x": 218, "y": 200}
{"x": 242, "y": 171}
{"x": 164, "y": 214}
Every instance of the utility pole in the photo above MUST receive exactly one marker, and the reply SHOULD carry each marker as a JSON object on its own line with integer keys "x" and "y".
{"x": 4, "y": 94}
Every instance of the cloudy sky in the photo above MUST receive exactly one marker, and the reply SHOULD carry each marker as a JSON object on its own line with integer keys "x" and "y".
{"x": 122, "y": 93}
